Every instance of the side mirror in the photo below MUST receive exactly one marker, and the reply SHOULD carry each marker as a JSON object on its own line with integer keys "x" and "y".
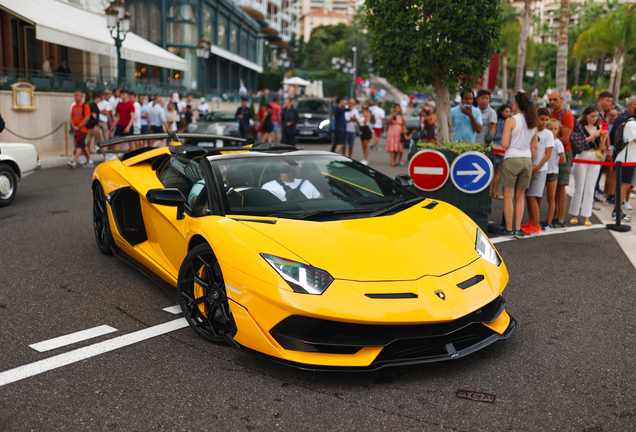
{"x": 168, "y": 197}
{"x": 404, "y": 180}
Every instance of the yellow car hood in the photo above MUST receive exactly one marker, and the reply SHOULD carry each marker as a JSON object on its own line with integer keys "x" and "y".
{"x": 404, "y": 246}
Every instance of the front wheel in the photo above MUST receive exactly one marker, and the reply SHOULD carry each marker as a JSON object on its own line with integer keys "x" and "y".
{"x": 202, "y": 295}
{"x": 8, "y": 185}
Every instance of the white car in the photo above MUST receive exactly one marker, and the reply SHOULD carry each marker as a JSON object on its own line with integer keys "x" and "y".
{"x": 16, "y": 162}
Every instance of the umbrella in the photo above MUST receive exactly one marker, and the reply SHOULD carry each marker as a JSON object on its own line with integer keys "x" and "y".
{"x": 296, "y": 81}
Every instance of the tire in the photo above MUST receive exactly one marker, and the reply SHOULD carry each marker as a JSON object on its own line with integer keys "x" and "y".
{"x": 202, "y": 295}
{"x": 8, "y": 185}
{"x": 101, "y": 224}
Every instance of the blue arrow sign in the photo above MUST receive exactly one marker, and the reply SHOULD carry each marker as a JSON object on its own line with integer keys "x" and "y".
{"x": 471, "y": 172}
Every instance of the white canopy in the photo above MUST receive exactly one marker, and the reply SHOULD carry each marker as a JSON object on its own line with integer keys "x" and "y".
{"x": 68, "y": 25}
{"x": 296, "y": 81}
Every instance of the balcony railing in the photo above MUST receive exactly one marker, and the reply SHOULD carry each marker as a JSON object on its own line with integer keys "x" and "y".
{"x": 70, "y": 82}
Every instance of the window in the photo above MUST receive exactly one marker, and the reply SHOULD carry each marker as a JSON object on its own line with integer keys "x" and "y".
{"x": 186, "y": 175}
{"x": 208, "y": 23}
{"x": 182, "y": 25}
{"x": 243, "y": 46}
{"x": 222, "y": 40}
{"x": 233, "y": 47}
{"x": 145, "y": 20}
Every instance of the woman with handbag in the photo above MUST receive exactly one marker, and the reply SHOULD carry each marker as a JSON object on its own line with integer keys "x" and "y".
{"x": 585, "y": 175}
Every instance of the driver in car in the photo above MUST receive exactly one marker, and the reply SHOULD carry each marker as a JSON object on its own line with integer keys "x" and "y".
{"x": 289, "y": 185}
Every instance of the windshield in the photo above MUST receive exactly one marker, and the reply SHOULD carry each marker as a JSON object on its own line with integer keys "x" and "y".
{"x": 220, "y": 117}
{"x": 314, "y": 106}
{"x": 303, "y": 186}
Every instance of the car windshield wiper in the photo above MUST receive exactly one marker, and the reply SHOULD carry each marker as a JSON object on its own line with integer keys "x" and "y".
{"x": 319, "y": 214}
{"x": 397, "y": 206}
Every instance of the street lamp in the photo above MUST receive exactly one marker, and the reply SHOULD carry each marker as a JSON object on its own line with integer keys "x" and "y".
{"x": 118, "y": 23}
{"x": 203, "y": 54}
{"x": 354, "y": 70}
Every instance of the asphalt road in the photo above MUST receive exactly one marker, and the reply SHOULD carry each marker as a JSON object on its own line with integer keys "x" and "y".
{"x": 571, "y": 365}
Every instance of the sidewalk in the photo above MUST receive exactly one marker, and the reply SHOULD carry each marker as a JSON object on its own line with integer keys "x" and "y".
{"x": 55, "y": 159}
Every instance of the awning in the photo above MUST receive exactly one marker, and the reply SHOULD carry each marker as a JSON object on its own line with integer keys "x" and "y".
{"x": 71, "y": 26}
{"x": 235, "y": 58}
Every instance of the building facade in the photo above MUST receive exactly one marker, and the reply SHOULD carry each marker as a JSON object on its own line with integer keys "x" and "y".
{"x": 320, "y": 17}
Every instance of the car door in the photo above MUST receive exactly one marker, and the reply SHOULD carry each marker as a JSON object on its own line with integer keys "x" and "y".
{"x": 166, "y": 232}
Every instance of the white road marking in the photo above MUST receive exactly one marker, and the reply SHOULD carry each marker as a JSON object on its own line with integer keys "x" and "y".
{"x": 72, "y": 338}
{"x": 29, "y": 370}
{"x": 175, "y": 310}
{"x": 428, "y": 170}
{"x": 547, "y": 233}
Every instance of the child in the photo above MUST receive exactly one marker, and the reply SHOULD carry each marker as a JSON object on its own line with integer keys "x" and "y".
{"x": 539, "y": 172}
{"x": 557, "y": 158}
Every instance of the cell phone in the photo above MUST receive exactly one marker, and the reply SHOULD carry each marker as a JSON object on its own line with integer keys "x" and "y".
{"x": 466, "y": 106}
{"x": 605, "y": 126}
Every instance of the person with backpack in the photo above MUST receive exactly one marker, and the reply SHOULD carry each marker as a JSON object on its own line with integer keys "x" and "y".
{"x": 567, "y": 121}
{"x": 618, "y": 142}
{"x": 290, "y": 187}
{"x": 80, "y": 115}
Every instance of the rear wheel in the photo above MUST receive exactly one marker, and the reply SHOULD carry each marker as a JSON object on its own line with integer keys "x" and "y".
{"x": 202, "y": 295}
{"x": 8, "y": 185}
{"x": 101, "y": 225}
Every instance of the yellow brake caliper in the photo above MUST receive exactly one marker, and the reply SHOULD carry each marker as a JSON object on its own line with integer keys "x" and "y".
{"x": 200, "y": 292}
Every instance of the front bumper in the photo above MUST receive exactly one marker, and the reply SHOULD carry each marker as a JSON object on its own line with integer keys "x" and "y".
{"x": 394, "y": 345}
{"x": 312, "y": 134}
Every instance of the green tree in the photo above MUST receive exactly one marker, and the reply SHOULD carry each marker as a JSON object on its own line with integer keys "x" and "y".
{"x": 615, "y": 34}
{"x": 562, "y": 47}
{"x": 434, "y": 42}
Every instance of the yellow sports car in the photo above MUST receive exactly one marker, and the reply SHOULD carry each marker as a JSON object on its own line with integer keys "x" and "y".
{"x": 306, "y": 257}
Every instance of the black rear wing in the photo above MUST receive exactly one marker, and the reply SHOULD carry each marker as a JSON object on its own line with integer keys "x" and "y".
{"x": 101, "y": 146}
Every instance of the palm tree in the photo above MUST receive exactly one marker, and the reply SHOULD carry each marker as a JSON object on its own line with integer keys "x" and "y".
{"x": 523, "y": 40}
{"x": 613, "y": 34}
{"x": 509, "y": 40}
{"x": 562, "y": 47}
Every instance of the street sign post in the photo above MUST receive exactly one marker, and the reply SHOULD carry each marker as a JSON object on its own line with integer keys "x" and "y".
{"x": 429, "y": 170}
{"x": 471, "y": 172}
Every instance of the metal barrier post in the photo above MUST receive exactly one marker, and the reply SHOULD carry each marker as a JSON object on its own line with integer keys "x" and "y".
{"x": 66, "y": 138}
{"x": 618, "y": 207}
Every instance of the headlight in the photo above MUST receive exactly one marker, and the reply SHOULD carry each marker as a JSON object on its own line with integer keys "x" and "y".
{"x": 485, "y": 249}
{"x": 323, "y": 124}
{"x": 300, "y": 277}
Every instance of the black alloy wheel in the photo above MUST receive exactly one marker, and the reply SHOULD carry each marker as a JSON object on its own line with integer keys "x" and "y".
{"x": 8, "y": 185}
{"x": 202, "y": 295}
{"x": 101, "y": 225}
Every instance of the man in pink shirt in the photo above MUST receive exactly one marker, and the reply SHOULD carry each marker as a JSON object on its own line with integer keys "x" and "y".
{"x": 276, "y": 110}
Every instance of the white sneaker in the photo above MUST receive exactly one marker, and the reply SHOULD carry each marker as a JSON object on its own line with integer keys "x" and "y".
{"x": 365, "y": 162}
{"x": 627, "y": 206}
{"x": 89, "y": 164}
{"x": 72, "y": 164}
{"x": 633, "y": 194}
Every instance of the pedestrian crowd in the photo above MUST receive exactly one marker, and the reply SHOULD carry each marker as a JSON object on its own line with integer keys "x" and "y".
{"x": 103, "y": 115}
{"x": 542, "y": 147}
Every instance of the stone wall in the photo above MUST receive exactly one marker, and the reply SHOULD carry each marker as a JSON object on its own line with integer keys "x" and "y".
{"x": 52, "y": 109}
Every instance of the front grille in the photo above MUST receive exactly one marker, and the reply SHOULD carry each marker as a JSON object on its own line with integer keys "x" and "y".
{"x": 305, "y": 334}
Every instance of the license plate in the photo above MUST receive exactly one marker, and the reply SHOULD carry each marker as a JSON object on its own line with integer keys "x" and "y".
{"x": 306, "y": 132}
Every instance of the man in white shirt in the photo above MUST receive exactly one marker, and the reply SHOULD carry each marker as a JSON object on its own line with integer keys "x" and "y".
{"x": 289, "y": 187}
{"x": 203, "y": 108}
{"x": 47, "y": 67}
{"x": 114, "y": 101}
{"x": 351, "y": 117}
{"x": 104, "y": 112}
{"x": 378, "y": 114}
{"x": 136, "y": 122}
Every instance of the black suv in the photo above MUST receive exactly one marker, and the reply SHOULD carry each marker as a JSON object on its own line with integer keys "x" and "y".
{"x": 314, "y": 119}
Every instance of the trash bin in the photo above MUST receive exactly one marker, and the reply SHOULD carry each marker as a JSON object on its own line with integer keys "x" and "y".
{"x": 477, "y": 205}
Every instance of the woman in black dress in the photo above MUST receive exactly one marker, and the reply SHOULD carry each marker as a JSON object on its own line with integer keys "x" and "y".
{"x": 268, "y": 126}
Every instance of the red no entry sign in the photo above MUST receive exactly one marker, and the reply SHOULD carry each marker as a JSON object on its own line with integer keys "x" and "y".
{"x": 429, "y": 169}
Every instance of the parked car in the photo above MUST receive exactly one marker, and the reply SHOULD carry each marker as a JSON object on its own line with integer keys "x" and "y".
{"x": 497, "y": 101}
{"x": 314, "y": 119}
{"x": 219, "y": 123}
{"x": 16, "y": 162}
{"x": 576, "y": 110}
{"x": 412, "y": 119}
